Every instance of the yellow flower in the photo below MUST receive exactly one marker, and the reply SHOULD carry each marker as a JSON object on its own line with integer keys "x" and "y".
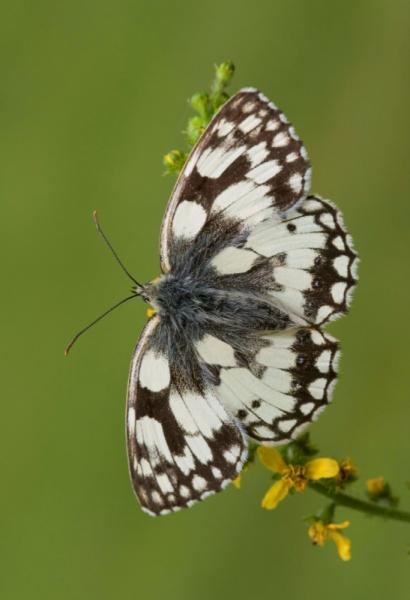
{"x": 292, "y": 476}
{"x": 320, "y": 532}
{"x": 150, "y": 312}
{"x": 375, "y": 486}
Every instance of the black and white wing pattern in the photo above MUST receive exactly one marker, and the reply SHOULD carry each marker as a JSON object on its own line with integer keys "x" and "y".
{"x": 183, "y": 445}
{"x": 252, "y": 268}
{"x": 249, "y": 164}
{"x": 314, "y": 265}
{"x": 276, "y": 388}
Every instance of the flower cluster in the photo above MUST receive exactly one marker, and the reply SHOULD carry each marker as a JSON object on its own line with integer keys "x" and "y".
{"x": 294, "y": 469}
{"x": 291, "y": 477}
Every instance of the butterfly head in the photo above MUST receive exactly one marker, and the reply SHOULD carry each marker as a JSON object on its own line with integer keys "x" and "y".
{"x": 149, "y": 292}
{"x": 170, "y": 294}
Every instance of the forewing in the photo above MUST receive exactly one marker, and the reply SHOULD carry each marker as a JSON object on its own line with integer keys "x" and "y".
{"x": 182, "y": 443}
{"x": 248, "y": 164}
{"x": 277, "y": 384}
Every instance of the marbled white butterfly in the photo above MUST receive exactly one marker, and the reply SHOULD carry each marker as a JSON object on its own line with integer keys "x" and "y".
{"x": 252, "y": 268}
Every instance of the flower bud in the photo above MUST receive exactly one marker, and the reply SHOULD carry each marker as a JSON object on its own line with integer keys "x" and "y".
{"x": 174, "y": 161}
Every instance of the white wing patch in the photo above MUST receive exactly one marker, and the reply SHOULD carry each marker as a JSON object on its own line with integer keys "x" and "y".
{"x": 188, "y": 220}
{"x": 215, "y": 352}
{"x": 154, "y": 372}
{"x": 258, "y": 153}
{"x": 234, "y": 260}
{"x": 249, "y": 123}
{"x": 265, "y": 171}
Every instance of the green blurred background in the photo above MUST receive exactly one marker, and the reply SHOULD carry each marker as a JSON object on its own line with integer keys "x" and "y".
{"x": 92, "y": 94}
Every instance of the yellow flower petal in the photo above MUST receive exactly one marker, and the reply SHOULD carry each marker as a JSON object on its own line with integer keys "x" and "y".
{"x": 321, "y": 468}
{"x": 237, "y": 482}
{"x": 336, "y": 526}
{"x": 343, "y": 544}
{"x": 271, "y": 459}
{"x": 275, "y": 494}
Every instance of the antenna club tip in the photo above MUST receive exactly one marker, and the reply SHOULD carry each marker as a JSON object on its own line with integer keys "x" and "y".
{"x": 68, "y": 347}
{"x": 94, "y": 216}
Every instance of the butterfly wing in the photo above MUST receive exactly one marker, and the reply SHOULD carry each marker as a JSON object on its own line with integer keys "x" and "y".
{"x": 248, "y": 164}
{"x": 182, "y": 443}
{"x": 276, "y": 384}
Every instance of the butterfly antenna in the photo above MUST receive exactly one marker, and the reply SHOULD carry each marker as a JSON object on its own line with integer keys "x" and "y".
{"x": 117, "y": 258}
{"x": 107, "y": 312}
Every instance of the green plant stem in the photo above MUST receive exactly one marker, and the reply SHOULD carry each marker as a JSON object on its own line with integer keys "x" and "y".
{"x": 341, "y": 499}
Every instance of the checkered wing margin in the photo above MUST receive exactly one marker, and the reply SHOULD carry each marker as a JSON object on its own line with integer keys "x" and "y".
{"x": 248, "y": 165}
{"x": 183, "y": 445}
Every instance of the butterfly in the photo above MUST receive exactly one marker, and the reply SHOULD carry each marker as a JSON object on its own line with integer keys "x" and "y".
{"x": 252, "y": 268}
